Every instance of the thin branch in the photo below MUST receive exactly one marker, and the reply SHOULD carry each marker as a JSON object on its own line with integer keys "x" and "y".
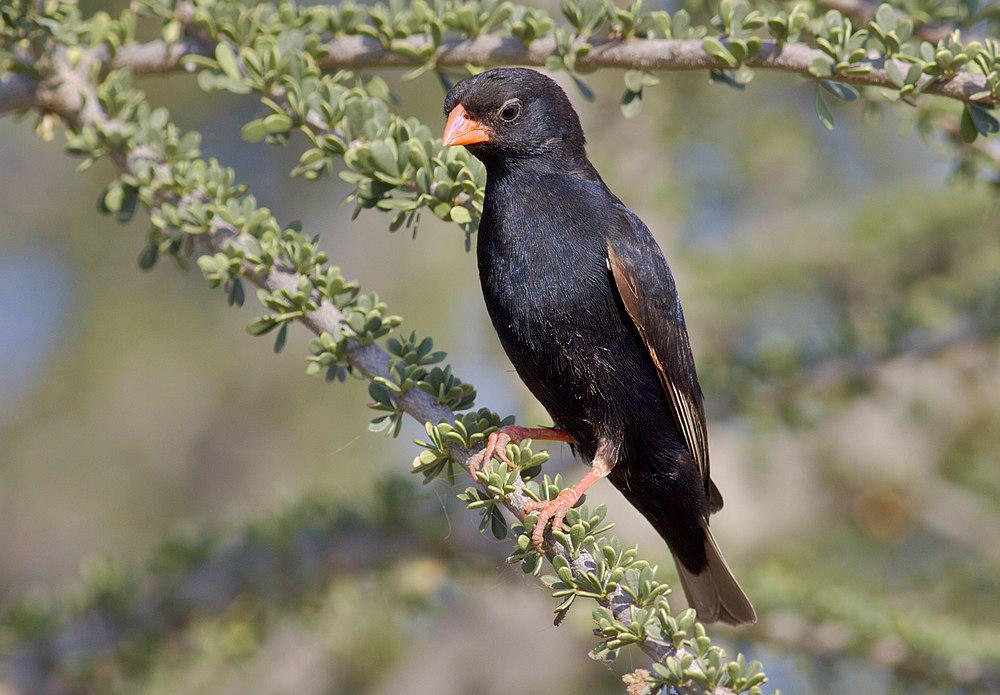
{"x": 666, "y": 55}
{"x": 669, "y": 55}
{"x": 157, "y": 56}
{"x": 655, "y": 55}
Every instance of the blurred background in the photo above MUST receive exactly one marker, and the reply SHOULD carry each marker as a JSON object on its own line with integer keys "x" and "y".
{"x": 843, "y": 300}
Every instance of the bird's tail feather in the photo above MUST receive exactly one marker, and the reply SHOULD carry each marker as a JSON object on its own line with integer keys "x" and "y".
{"x": 714, "y": 592}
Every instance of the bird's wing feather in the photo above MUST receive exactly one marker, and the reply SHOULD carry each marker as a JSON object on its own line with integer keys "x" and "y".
{"x": 647, "y": 291}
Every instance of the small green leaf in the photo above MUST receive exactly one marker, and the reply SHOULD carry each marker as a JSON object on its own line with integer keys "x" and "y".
{"x": 265, "y": 324}
{"x": 633, "y": 80}
{"x": 820, "y": 66}
{"x": 278, "y": 123}
{"x": 498, "y": 524}
{"x": 713, "y": 47}
{"x": 226, "y": 59}
{"x": 113, "y": 198}
{"x": 967, "y": 126}
{"x": 281, "y": 338}
{"x": 172, "y": 31}
{"x": 147, "y": 259}
{"x": 895, "y": 73}
{"x": 631, "y": 104}
{"x": 983, "y": 120}
{"x": 585, "y": 91}
{"x": 824, "y": 111}
{"x": 255, "y": 130}
{"x": 840, "y": 90}
{"x": 384, "y": 157}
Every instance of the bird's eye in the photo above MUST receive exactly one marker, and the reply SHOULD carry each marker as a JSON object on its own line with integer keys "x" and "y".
{"x": 510, "y": 110}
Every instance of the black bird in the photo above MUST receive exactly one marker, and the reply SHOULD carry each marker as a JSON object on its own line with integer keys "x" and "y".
{"x": 587, "y": 310}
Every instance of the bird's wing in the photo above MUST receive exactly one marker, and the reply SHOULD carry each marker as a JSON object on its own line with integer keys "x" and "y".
{"x": 647, "y": 291}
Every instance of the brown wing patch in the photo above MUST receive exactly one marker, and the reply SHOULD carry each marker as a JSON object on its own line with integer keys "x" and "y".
{"x": 686, "y": 410}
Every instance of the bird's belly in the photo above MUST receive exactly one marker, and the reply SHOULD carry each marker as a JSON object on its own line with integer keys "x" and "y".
{"x": 565, "y": 335}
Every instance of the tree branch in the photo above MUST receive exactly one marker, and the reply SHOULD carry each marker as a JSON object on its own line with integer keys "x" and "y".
{"x": 157, "y": 57}
{"x": 667, "y": 55}
{"x": 654, "y": 55}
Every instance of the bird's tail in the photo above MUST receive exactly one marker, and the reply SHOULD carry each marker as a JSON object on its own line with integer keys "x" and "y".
{"x": 714, "y": 592}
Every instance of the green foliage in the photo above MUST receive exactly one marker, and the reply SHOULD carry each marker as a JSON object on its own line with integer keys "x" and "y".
{"x": 346, "y": 122}
{"x": 806, "y": 595}
{"x": 635, "y": 83}
{"x": 787, "y": 25}
{"x": 120, "y": 618}
{"x": 610, "y": 568}
{"x": 737, "y": 23}
{"x": 843, "y": 45}
{"x": 468, "y": 431}
{"x": 278, "y": 52}
{"x": 408, "y": 370}
{"x": 890, "y": 29}
{"x": 395, "y": 164}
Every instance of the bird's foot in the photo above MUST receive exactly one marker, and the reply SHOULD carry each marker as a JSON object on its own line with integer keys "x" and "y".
{"x": 550, "y": 509}
{"x": 496, "y": 443}
{"x": 556, "y": 509}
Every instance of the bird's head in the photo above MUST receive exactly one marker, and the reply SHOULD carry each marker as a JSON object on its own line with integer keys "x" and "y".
{"x": 513, "y": 113}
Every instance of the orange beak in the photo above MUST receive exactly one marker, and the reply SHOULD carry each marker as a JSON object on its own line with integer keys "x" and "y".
{"x": 463, "y": 130}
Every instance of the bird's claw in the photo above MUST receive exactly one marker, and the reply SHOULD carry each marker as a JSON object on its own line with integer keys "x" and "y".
{"x": 550, "y": 509}
{"x": 496, "y": 445}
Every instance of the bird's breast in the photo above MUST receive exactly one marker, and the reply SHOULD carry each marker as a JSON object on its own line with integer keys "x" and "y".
{"x": 548, "y": 292}
{"x": 539, "y": 287}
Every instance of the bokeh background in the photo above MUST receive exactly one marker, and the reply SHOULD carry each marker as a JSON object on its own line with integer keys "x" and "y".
{"x": 843, "y": 299}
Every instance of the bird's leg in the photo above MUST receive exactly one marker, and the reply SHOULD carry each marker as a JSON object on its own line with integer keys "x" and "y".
{"x": 496, "y": 443}
{"x": 556, "y": 509}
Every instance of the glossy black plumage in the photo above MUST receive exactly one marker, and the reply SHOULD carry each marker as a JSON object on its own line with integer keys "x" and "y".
{"x": 586, "y": 308}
